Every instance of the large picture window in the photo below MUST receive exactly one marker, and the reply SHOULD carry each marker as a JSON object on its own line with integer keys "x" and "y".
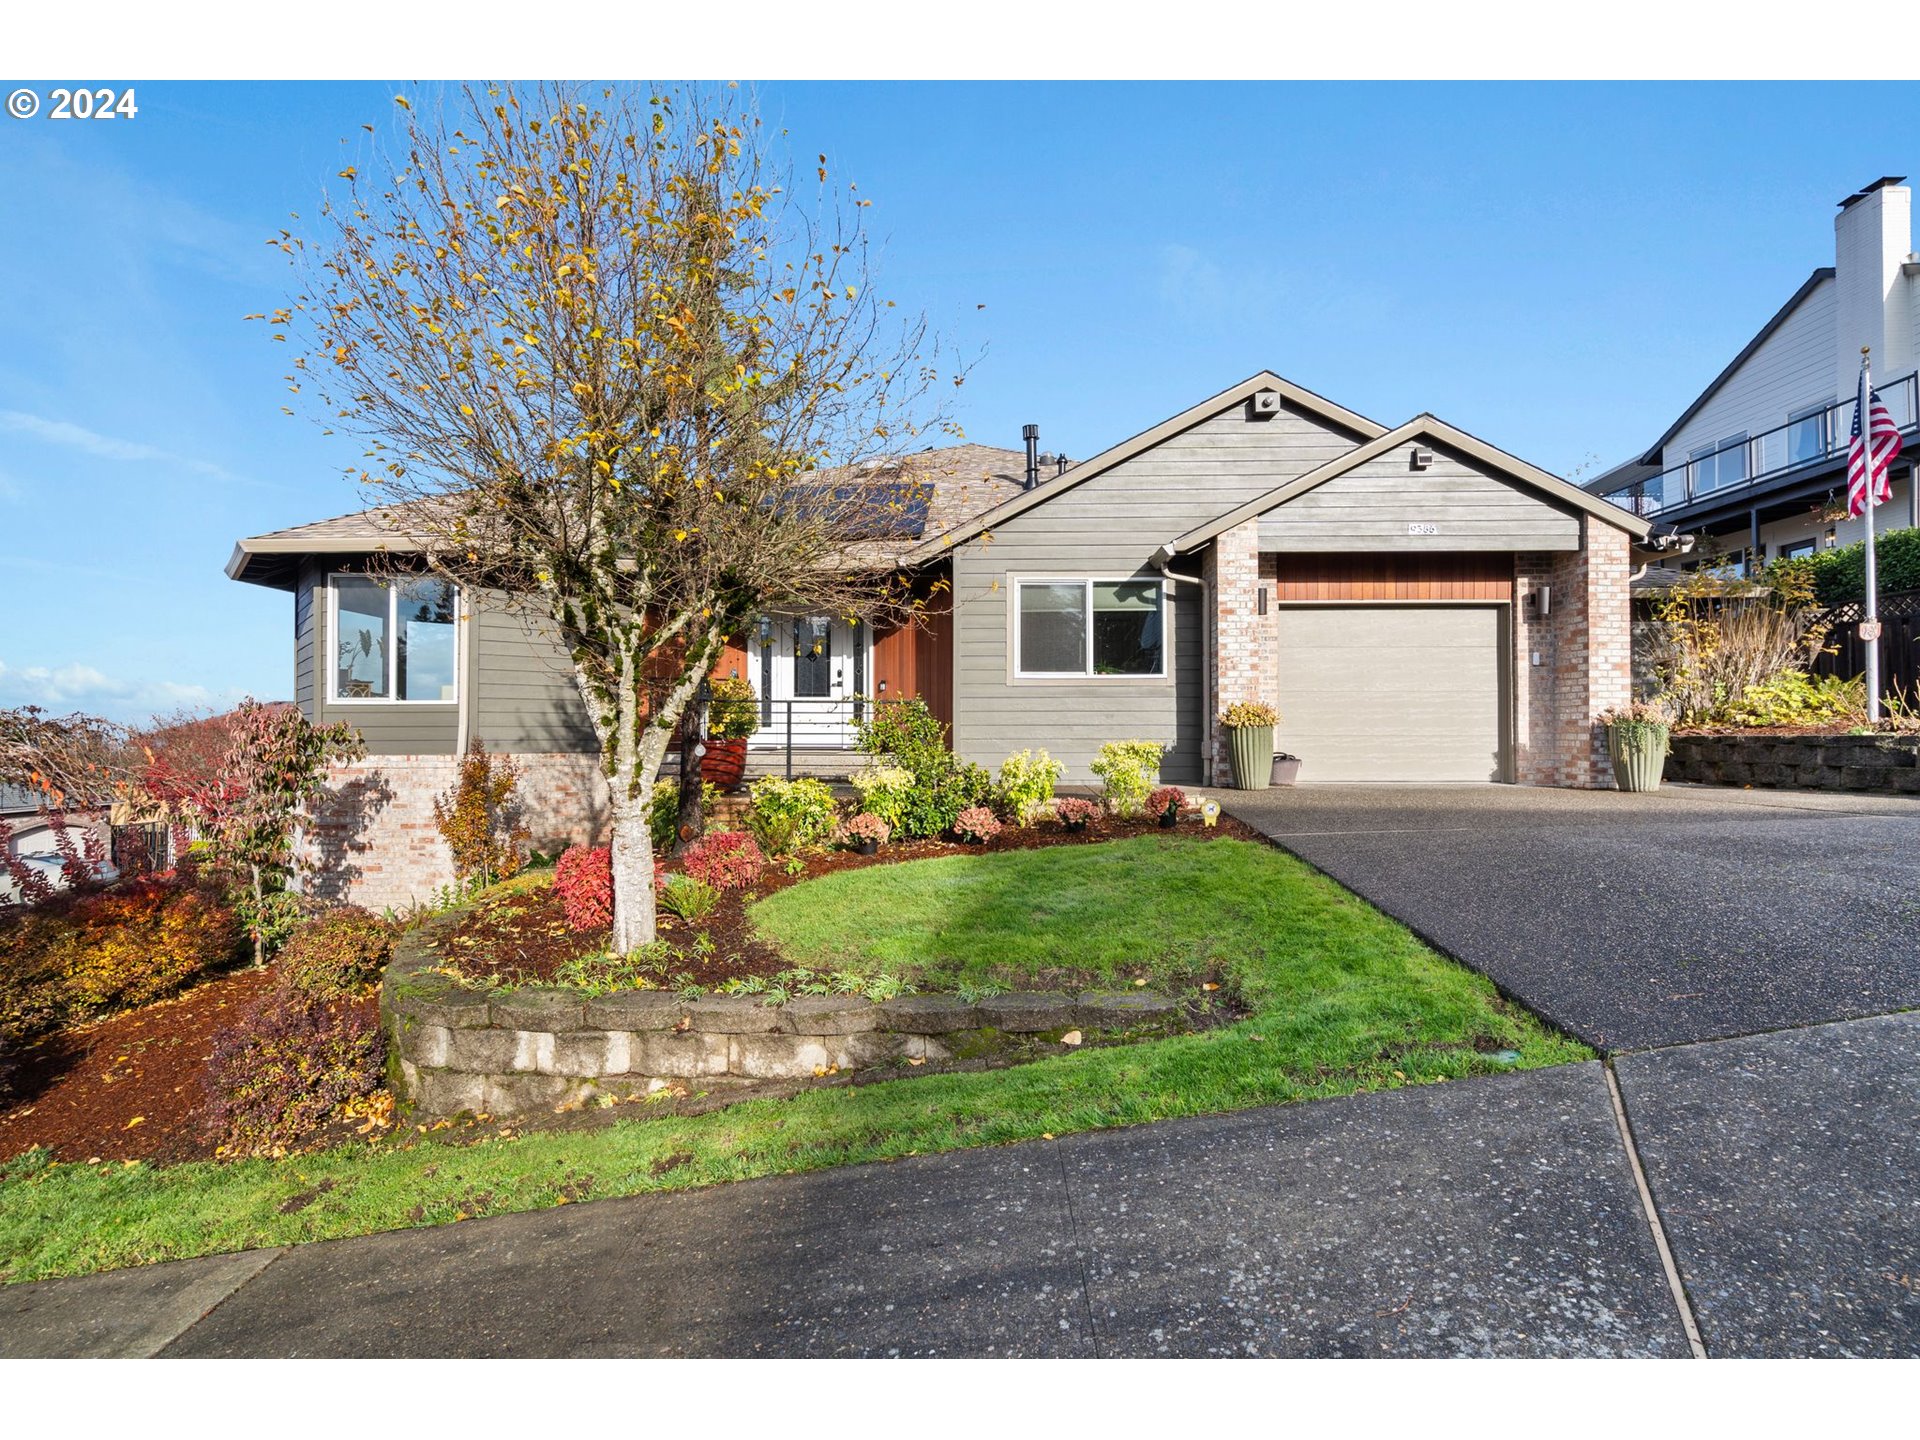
{"x": 393, "y": 639}
{"x": 1089, "y": 628}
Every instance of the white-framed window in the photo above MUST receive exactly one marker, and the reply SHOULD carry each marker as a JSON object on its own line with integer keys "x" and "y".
{"x": 1809, "y": 433}
{"x": 1089, "y": 628}
{"x": 1717, "y": 466}
{"x": 395, "y": 639}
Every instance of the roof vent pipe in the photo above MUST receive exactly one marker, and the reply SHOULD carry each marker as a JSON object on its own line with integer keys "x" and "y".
{"x": 1031, "y": 434}
{"x": 1064, "y": 462}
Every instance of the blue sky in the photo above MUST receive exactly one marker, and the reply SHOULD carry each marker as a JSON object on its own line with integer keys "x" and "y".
{"x": 1556, "y": 268}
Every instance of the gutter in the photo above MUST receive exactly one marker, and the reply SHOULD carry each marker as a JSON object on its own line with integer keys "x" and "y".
{"x": 1163, "y": 562}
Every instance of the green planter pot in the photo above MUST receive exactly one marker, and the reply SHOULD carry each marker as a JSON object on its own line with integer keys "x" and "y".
{"x": 1252, "y": 750}
{"x": 1639, "y": 753}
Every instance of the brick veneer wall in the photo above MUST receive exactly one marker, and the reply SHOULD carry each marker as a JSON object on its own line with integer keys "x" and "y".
{"x": 1585, "y": 647}
{"x": 370, "y": 838}
{"x": 1244, "y": 643}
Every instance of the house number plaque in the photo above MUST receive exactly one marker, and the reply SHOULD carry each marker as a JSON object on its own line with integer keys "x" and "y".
{"x": 1422, "y": 527}
{"x": 1869, "y": 629}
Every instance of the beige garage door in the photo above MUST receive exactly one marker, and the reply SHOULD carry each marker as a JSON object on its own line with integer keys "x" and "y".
{"x": 1386, "y": 693}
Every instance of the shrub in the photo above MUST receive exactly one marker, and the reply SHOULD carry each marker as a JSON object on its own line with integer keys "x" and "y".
{"x": 1249, "y": 715}
{"x": 1716, "y": 636}
{"x": 976, "y": 822}
{"x": 83, "y": 955}
{"x": 1837, "y": 576}
{"x": 663, "y": 812}
{"x": 788, "y": 815}
{"x": 1165, "y": 798}
{"x": 732, "y": 711}
{"x": 288, "y": 1067}
{"x": 1026, "y": 784}
{"x": 338, "y": 954}
{"x": 1073, "y": 810}
{"x": 479, "y": 818}
{"x": 726, "y": 860}
{"x": 865, "y": 827}
{"x": 884, "y": 791}
{"x": 912, "y": 736}
{"x": 584, "y": 882}
{"x": 1794, "y": 697}
{"x": 1127, "y": 769}
{"x": 688, "y": 896}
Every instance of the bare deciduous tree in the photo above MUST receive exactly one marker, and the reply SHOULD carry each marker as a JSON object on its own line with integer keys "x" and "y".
{"x": 601, "y": 358}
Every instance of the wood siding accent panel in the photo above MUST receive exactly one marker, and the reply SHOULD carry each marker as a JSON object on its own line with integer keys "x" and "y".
{"x": 1373, "y": 506}
{"x": 1478, "y": 576}
{"x": 1111, "y": 526}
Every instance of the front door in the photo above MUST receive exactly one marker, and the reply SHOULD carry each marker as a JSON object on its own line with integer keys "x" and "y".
{"x": 812, "y": 670}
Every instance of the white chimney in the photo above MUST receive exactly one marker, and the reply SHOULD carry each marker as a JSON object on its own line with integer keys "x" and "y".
{"x": 1872, "y": 236}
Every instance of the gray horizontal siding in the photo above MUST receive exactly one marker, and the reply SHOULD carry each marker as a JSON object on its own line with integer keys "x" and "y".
{"x": 1371, "y": 506}
{"x": 519, "y": 685}
{"x": 1110, "y": 526}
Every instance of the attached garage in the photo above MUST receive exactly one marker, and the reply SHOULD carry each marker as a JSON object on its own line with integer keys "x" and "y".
{"x": 1382, "y": 693}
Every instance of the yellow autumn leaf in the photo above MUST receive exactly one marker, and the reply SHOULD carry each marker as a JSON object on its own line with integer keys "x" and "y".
{"x": 137, "y": 1120}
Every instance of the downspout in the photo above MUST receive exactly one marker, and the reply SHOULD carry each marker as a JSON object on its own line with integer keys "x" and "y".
{"x": 462, "y": 671}
{"x": 1163, "y": 562}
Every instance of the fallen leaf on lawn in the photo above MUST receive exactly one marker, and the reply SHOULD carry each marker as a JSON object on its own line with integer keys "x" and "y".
{"x": 1072, "y": 1037}
{"x": 1256, "y": 1037}
{"x": 1046, "y": 1135}
{"x": 917, "y": 1060}
{"x": 1399, "y": 1074}
{"x": 137, "y": 1120}
{"x": 1139, "y": 982}
{"x": 1209, "y": 985}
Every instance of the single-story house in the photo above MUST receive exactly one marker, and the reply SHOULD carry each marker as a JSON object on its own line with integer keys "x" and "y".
{"x": 1420, "y": 606}
{"x": 33, "y": 842}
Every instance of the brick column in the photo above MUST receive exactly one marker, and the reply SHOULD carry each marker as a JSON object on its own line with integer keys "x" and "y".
{"x": 1243, "y": 641}
{"x": 1586, "y": 658}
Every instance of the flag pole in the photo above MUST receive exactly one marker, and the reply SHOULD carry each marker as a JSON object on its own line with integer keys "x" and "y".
{"x": 1870, "y": 627}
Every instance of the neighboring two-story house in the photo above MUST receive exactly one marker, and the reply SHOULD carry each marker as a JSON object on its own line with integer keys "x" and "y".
{"x": 1755, "y": 468}
{"x": 1420, "y": 605}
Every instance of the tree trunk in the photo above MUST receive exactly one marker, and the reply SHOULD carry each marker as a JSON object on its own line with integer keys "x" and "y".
{"x": 259, "y": 920}
{"x": 690, "y": 823}
{"x": 633, "y": 900}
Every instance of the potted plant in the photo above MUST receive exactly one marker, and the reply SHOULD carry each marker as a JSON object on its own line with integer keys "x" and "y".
{"x": 1286, "y": 768}
{"x": 866, "y": 833}
{"x": 732, "y": 715}
{"x": 1249, "y": 726}
{"x": 1075, "y": 813}
{"x": 1166, "y": 802}
{"x": 1637, "y": 736}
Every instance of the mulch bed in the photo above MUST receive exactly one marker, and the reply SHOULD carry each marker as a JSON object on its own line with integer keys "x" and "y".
{"x": 523, "y": 938}
{"x": 131, "y": 1087}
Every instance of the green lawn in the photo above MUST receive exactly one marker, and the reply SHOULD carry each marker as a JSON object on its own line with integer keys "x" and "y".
{"x": 1343, "y": 1000}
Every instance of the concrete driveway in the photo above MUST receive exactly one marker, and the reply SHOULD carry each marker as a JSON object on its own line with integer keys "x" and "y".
{"x": 1636, "y": 921}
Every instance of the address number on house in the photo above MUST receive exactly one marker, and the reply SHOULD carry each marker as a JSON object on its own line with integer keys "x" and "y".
{"x": 1422, "y": 527}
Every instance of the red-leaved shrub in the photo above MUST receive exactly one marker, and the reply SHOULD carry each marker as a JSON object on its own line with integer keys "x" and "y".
{"x": 1073, "y": 810}
{"x": 1165, "y": 798}
{"x": 726, "y": 859}
{"x": 584, "y": 882}
{"x": 288, "y": 1067}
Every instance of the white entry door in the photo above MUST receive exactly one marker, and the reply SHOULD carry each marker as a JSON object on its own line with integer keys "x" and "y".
{"x": 811, "y": 671}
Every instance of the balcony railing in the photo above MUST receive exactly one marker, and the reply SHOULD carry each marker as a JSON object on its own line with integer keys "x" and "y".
{"x": 1754, "y": 461}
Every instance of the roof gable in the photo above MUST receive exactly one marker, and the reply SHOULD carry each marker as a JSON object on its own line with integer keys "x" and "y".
{"x": 1316, "y": 405}
{"x": 1434, "y": 431}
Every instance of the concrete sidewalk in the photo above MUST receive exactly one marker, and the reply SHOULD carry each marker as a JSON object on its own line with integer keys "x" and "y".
{"x": 1485, "y": 1217}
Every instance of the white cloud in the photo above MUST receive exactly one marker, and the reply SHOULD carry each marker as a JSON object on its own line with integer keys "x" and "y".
{"x": 79, "y": 686}
{"x": 69, "y": 436}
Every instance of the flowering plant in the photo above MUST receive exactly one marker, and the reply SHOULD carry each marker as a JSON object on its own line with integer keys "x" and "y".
{"x": 976, "y": 822}
{"x": 865, "y": 827}
{"x": 1073, "y": 810}
{"x": 1249, "y": 715}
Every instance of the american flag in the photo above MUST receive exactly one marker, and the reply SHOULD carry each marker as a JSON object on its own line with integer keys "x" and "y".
{"x": 1870, "y": 461}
